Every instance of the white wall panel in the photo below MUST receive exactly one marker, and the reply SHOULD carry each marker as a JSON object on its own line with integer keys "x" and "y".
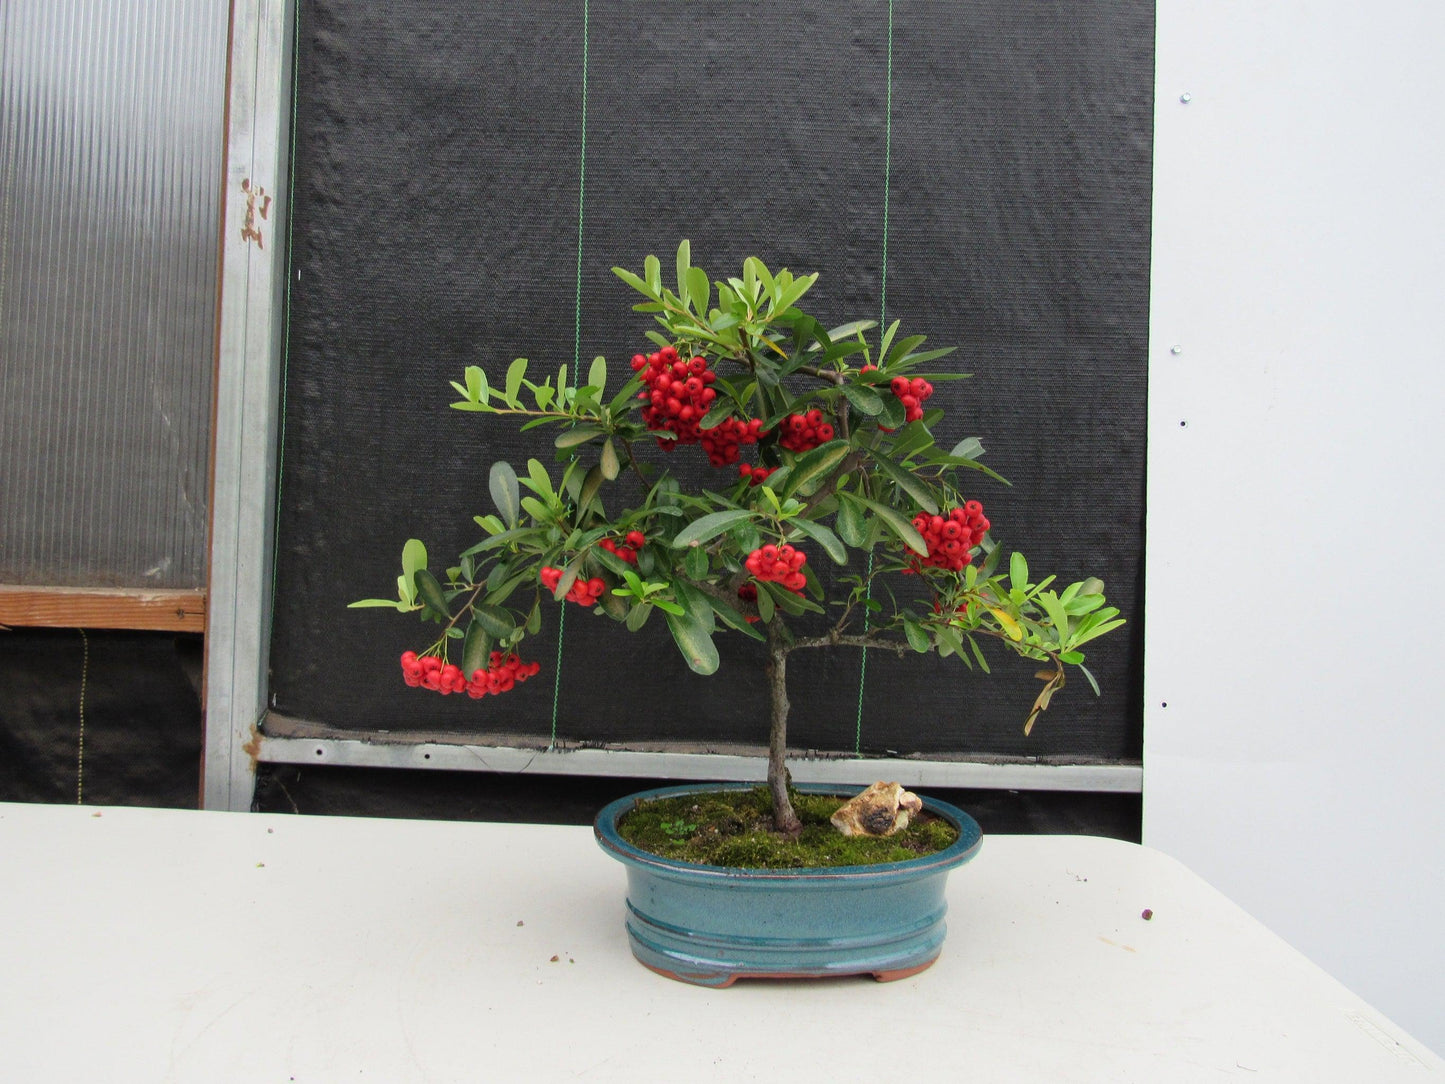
{"x": 1295, "y": 474}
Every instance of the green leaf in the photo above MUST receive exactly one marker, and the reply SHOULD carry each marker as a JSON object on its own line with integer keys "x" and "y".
{"x": 590, "y": 485}
{"x": 431, "y": 592}
{"x": 898, "y": 524}
{"x": 652, "y": 271}
{"x": 905, "y": 481}
{"x": 970, "y": 448}
{"x": 904, "y": 347}
{"x": 515, "y": 372}
{"x": 493, "y": 620}
{"x": 1090, "y": 677}
{"x": 893, "y": 414}
{"x": 636, "y": 283}
{"x": 765, "y": 605}
{"x": 950, "y": 643}
{"x": 848, "y": 330}
{"x": 698, "y": 289}
{"x": 695, "y": 563}
{"x": 613, "y": 605}
{"x": 912, "y": 360}
{"x": 475, "y": 649}
{"x": 609, "y": 463}
{"x": 887, "y": 338}
{"x": 1080, "y": 639}
{"x": 1055, "y": 609}
{"x": 534, "y": 619}
{"x": 790, "y": 294}
{"x": 864, "y": 399}
{"x": 850, "y": 521}
{"x": 610, "y": 561}
{"x": 721, "y": 411}
{"x": 1018, "y": 572}
{"x": 824, "y": 537}
{"x": 572, "y": 437}
{"x": 694, "y": 642}
{"x": 413, "y": 557}
{"x": 734, "y": 620}
{"x": 684, "y": 260}
{"x": 597, "y": 375}
{"x": 367, "y": 603}
{"x": 539, "y": 481}
{"x": 917, "y": 638}
{"x": 707, "y": 527}
{"x": 978, "y": 654}
{"x": 503, "y": 486}
{"x": 813, "y": 466}
{"x": 696, "y": 604}
{"x": 787, "y": 600}
{"x": 638, "y": 615}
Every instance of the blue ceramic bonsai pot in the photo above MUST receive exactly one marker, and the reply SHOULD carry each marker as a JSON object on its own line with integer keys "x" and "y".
{"x": 712, "y": 925}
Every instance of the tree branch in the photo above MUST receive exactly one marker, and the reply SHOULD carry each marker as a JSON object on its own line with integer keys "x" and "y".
{"x": 837, "y": 639}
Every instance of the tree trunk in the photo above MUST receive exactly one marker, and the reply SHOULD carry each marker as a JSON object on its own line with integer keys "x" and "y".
{"x": 784, "y": 819}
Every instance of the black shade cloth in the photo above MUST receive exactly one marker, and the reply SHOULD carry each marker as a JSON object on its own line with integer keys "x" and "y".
{"x": 994, "y": 193}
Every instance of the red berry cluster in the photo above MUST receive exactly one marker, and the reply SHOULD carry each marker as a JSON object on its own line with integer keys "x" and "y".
{"x": 911, "y": 393}
{"x": 779, "y": 564}
{"x": 625, "y": 550}
{"x": 756, "y": 476}
{"x": 801, "y": 432}
{"x": 678, "y": 397}
{"x": 503, "y": 672}
{"x": 950, "y": 537}
{"x": 721, "y": 442}
{"x": 583, "y": 592}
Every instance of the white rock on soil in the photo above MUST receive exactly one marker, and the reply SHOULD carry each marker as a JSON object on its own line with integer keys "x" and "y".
{"x": 881, "y": 810}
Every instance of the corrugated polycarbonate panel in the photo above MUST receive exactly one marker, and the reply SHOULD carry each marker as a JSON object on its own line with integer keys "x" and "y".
{"x": 111, "y": 133}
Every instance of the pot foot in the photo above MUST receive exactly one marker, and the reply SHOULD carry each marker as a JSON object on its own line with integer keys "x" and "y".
{"x": 903, "y": 972}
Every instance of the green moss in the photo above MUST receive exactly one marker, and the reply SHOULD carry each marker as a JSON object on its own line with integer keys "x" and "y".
{"x": 734, "y": 828}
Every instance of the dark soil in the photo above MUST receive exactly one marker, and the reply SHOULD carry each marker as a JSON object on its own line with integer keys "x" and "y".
{"x": 735, "y": 828}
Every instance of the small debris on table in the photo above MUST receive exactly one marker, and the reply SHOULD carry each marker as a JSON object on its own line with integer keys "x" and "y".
{"x": 1146, "y": 914}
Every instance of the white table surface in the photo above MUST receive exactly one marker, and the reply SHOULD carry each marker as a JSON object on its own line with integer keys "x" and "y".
{"x": 162, "y": 945}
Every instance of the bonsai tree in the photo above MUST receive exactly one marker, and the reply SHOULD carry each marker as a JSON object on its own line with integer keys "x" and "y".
{"x": 826, "y": 451}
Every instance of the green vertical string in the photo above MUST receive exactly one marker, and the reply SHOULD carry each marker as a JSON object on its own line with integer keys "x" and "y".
{"x": 882, "y": 313}
{"x": 576, "y": 345}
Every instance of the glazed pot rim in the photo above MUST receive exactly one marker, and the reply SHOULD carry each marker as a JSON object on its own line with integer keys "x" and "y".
{"x": 970, "y": 839}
